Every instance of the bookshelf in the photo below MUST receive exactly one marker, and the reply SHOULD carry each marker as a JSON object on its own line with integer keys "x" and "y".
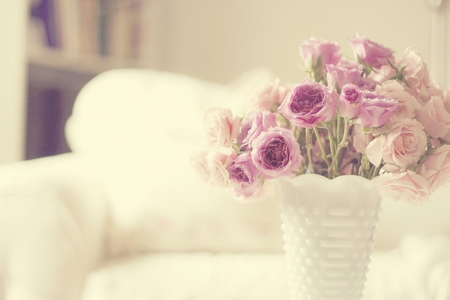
{"x": 72, "y": 41}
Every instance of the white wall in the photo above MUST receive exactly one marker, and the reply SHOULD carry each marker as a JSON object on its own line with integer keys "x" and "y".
{"x": 12, "y": 79}
{"x": 219, "y": 39}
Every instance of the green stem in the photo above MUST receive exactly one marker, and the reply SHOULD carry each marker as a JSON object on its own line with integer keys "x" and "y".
{"x": 322, "y": 149}
{"x": 342, "y": 144}
{"x": 338, "y": 130}
{"x": 308, "y": 149}
{"x": 331, "y": 139}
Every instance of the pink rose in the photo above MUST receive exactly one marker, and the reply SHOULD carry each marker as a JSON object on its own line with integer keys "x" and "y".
{"x": 276, "y": 153}
{"x": 217, "y": 161}
{"x": 401, "y": 147}
{"x": 338, "y": 76}
{"x": 198, "y": 163}
{"x": 349, "y": 101}
{"x": 408, "y": 104}
{"x": 268, "y": 96}
{"x": 407, "y": 186}
{"x": 417, "y": 77}
{"x": 220, "y": 126}
{"x": 361, "y": 139}
{"x": 211, "y": 165}
{"x": 435, "y": 118}
{"x": 436, "y": 168}
{"x": 415, "y": 71}
{"x": 383, "y": 73}
{"x": 313, "y": 49}
{"x": 370, "y": 53}
{"x": 246, "y": 179}
{"x": 309, "y": 103}
{"x": 252, "y": 126}
{"x": 367, "y": 84}
{"x": 376, "y": 109}
{"x": 447, "y": 100}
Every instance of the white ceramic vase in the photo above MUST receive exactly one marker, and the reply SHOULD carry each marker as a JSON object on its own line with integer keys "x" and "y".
{"x": 329, "y": 228}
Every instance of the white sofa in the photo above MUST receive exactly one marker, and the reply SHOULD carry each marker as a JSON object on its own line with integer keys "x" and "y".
{"x": 124, "y": 217}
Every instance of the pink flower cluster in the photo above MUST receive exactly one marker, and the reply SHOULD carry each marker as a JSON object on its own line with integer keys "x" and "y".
{"x": 375, "y": 116}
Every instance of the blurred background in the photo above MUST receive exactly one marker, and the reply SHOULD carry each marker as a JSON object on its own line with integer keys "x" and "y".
{"x": 51, "y": 48}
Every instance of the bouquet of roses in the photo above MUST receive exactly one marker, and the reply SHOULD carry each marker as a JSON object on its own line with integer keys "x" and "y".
{"x": 375, "y": 116}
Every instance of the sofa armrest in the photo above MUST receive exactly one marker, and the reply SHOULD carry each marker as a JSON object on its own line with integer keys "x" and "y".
{"x": 53, "y": 217}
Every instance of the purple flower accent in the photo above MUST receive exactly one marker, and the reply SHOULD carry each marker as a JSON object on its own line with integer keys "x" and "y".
{"x": 376, "y": 109}
{"x": 349, "y": 101}
{"x": 309, "y": 103}
{"x": 252, "y": 126}
{"x": 370, "y": 53}
{"x": 276, "y": 153}
{"x": 245, "y": 177}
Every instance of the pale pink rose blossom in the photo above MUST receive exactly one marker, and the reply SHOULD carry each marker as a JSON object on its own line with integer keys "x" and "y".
{"x": 312, "y": 49}
{"x": 403, "y": 186}
{"x": 268, "y": 96}
{"x": 435, "y": 118}
{"x": 198, "y": 163}
{"x": 376, "y": 109}
{"x": 220, "y": 126}
{"x": 417, "y": 76}
{"x": 367, "y": 84}
{"x": 447, "y": 100}
{"x": 382, "y": 74}
{"x": 349, "y": 101}
{"x": 217, "y": 161}
{"x": 435, "y": 142}
{"x": 408, "y": 104}
{"x": 338, "y": 76}
{"x": 415, "y": 71}
{"x": 361, "y": 139}
{"x": 436, "y": 168}
{"x": 371, "y": 53}
{"x": 401, "y": 147}
{"x": 309, "y": 103}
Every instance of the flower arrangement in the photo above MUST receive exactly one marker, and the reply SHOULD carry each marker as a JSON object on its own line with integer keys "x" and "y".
{"x": 374, "y": 116}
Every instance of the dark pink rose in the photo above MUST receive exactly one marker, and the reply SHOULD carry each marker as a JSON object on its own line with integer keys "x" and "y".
{"x": 349, "y": 101}
{"x": 376, "y": 109}
{"x": 313, "y": 49}
{"x": 276, "y": 153}
{"x": 309, "y": 103}
{"x": 370, "y": 53}
{"x": 252, "y": 126}
{"x": 246, "y": 180}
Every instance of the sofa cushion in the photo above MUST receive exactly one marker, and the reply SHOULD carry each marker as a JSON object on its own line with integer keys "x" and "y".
{"x": 137, "y": 129}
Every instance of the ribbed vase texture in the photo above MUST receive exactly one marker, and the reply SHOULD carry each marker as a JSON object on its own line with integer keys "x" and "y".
{"x": 329, "y": 228}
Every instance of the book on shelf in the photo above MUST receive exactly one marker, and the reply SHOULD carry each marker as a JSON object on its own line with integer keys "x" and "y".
{"x": 88, "y": 28}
